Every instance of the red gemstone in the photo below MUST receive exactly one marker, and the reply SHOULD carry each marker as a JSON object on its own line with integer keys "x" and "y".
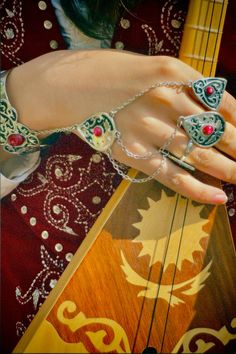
{"x": 209, "y": 90}
{"x": 15, "y": 139}
{"x": 208, "y": 129}
{"x": 97, "y": 131}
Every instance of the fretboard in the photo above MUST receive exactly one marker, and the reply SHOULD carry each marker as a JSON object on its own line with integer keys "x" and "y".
{"x": 202, "y": 34}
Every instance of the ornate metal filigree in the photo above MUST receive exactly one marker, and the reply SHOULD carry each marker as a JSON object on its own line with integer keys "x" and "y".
{"x": 204, "y": 129}
{"x": 99, "y": 131}
{"x": 11, "y": 128}
{"x": 209, "y": 91}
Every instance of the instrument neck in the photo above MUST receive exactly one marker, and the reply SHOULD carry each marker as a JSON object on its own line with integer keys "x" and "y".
{"x": 202, "y": 34}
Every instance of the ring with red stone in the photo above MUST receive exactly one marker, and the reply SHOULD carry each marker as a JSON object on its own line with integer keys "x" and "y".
{"x": 204, "y": 130}
{"x": 209, "y": 91}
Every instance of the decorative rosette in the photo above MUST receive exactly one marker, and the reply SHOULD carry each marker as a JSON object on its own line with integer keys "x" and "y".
{"x": 99, "y": 131}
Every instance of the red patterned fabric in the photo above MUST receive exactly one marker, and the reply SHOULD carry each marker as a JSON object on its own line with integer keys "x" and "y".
{"x": 25, "y": 34}
{"x": 46, "y": 218}
{"x": 155, "y": 27}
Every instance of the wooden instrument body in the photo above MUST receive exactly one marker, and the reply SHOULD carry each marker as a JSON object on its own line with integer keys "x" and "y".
{"x": 156, "y": 269}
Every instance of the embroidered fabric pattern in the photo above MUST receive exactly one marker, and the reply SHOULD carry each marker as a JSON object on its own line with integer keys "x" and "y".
{"x": 43, "y": 282}
{"x": 172, "y": 19}
{"x": 39, "y": 289}
{"x": 12, "y": 31}
{"x": 63, "y": 206}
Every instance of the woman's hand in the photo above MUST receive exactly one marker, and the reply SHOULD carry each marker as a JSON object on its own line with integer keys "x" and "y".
{"x": 63, "y": 88}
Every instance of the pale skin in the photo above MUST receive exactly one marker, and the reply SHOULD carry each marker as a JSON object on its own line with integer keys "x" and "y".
{"x": 65, "y": 87}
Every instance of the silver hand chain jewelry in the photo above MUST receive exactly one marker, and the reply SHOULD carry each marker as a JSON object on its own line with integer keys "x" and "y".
{"x": 143, "y": 92}
{"x": 100, "y": 132}
{"x": 129, "y": 153}
{"x": 125, "y": 176}
{"x": 113, "y": 112}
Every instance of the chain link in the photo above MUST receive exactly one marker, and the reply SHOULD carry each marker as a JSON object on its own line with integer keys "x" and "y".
{"x": 161, "y": 150}
{"x": 56, "y": 130}
{"x": 113, "y": 112}
{"x": 143, "y": 92}
{"x": 132, "y": 179}
{"x": 129, "y": 153}
{"x": 171, "y": 138}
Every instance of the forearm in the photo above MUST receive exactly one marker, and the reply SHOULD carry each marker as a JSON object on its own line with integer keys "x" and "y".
{"x": 63, "y": 88}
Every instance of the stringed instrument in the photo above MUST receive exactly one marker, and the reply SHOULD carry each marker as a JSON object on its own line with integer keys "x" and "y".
{"x": 156, "y": 273}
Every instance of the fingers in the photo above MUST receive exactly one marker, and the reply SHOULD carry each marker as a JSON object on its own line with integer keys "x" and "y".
{"x": 177, "y": 179}
{"x": 207, "y": 160}
{"x": 188, "y": 106}
{"x": 212, "y": 162}
{"x": 227, "y": 143}
{"x": 228, "y": 108}
{"x": 187, "y": 185}
{"x": 155, "y": 124}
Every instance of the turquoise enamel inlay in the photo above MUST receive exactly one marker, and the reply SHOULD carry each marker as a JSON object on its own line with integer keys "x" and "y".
{"x": 9, "y": 126}
{"x": 209, "y": 91}
{"x": 99, "y": 131}
{"x": 204, "y": 129}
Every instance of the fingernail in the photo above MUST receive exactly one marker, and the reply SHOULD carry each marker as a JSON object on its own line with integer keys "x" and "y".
{"x": 220, "y": 198}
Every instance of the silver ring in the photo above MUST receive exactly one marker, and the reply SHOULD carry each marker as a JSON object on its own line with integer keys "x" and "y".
{"x": 209, "y": 91}
{"x": 204, "y": 130}
{"x": 179, "y": 161}
{"x": 187, "y": 151}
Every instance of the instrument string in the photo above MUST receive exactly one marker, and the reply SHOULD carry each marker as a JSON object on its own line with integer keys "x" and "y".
{"x": 144, "y": 297}
{"x": 209, "y": 31}
{"x": 175, "y": 269}
{"x": 167, "y": 243}
{"x": 208, "y": 37}
{"x": 157, "y": 282}
{"x": 187, "y": 204}
{"x": 198, "y": 55}
{"x": 196, "y": 34}
{"x": 217, "y": 37}
{"x": 166, "y": 251}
